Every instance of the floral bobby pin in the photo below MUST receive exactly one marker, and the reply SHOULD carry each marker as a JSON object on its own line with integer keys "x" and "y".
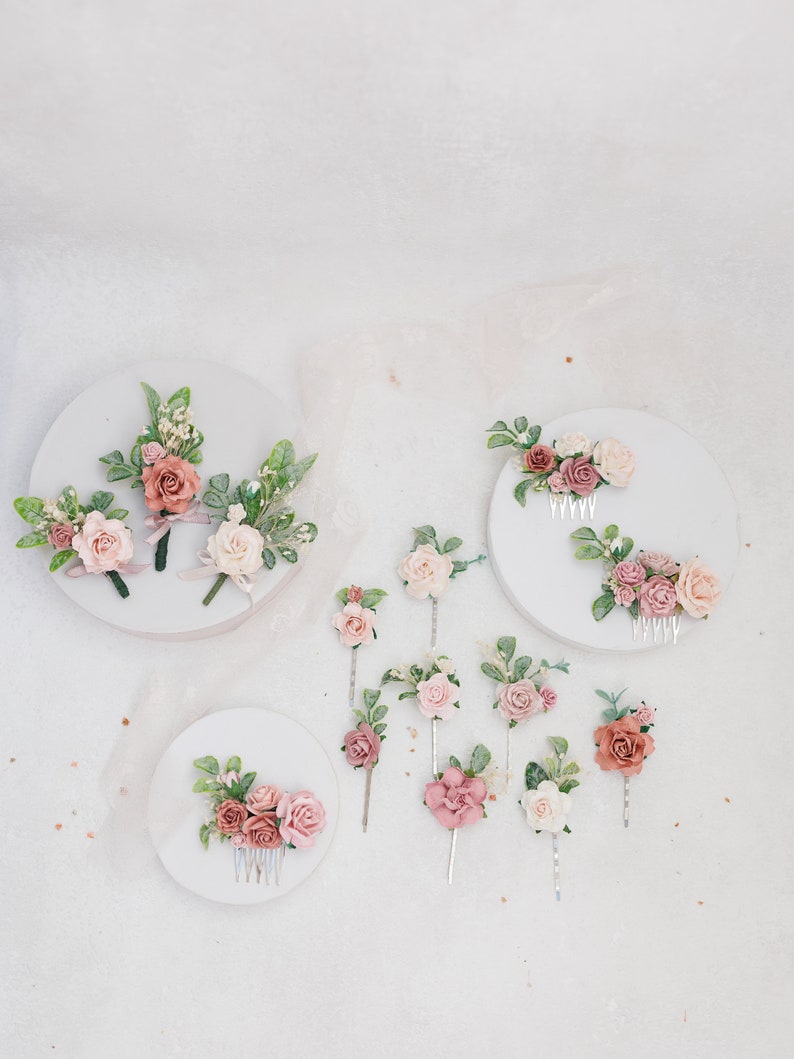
{"x": 547, "y": 800}
{"x": 624, "y": 742}
{"x": 456, "y": 796}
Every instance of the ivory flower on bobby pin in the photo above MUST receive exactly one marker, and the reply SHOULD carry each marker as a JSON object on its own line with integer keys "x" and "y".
{"x": 547, "y": 800}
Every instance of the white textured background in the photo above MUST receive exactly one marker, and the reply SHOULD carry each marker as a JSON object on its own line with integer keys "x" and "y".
{"x": 251, "y": 181}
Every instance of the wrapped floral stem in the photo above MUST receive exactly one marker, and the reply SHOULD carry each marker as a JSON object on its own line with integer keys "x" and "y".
{"x": 435, "y": 688}
{"x": 624, "y": 742}
{"x": 547, "y": 799}
{"x": 362, "y": 744}
{"x": 456, "y": 797}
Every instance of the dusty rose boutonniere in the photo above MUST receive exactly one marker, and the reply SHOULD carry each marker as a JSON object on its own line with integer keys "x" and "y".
{"x": 261, "y": 822}
{"x": 89, "y": 532}
{"x": 547, "y": 800}
{"x": 456, "y": 796}
{"x": 624, "y": 742}
{"x": 654, "y": 588}
{"x": 362, "y": 744}
{"x": 570, "y": 470}
{"x": 522, "y": 688}
{"x": 162, "y": 463}
{"x": 436, "y": 690}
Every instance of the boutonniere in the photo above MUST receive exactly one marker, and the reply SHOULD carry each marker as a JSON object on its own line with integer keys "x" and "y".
{"x": 355, "y": 623}
{"x": 162, "y": 463}
{"x": 456, "y": 797}
{"x": 261, "y": 822}
{"x": 547, "y": 800}
{"x": 435, "y": 688}
{"x": 653, "y": 588}
{"x": 88, "y": 532}
{"x": 570, "y": 470}
{"x": 624, "y": 742}
{"x": 256, "y": 524}
{"x": 522, "y": 690}
{"x": 362, "y": 743}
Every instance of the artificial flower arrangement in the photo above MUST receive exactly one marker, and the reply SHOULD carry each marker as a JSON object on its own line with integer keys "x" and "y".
{"x": 363, "y": 743}
{"x": 256, "y": 523}
{"x": 456, "y": 796}
{"x": 355, "y": 623}
{"x": 428, "y": 569}
{"x": 547, "y": 800}
{"x": 435, "y": 688}
{"x": 654, "y": 588}
{"x": 624, "y": 742}
{"x": 162, "y": 463}
{"x": 571, "y": 469}
{"x": 521, "y": 688}
{"x": 261, "y": 822}
{"x": 89, "y": 532}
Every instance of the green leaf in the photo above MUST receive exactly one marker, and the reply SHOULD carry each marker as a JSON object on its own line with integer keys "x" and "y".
{"x": 571, "y": 769}
{"x": 119, "y": 472}
{"x": 112, "y": 457}
{"x": 603, "y": 605}
{"x": 32, "y": 540}
{"x": 425, "y": 535}
{"x": 60, "y": 558}
{"x": 101, "y": 501}
{"x": 30, "y": 508}
{"x": 406, "y": 695}
{"x": 283, "y": 455}
{"x": 455, "y": 763}
{"x": 136, "y": 483}
{"x": 584, "y": 533}
{"x": 634, "y": 609}
{"x": 372, "y": 597}
{"x": 208, "y": 764}
{"x": 204, "y": 834}
{"x": 533, "y": 435}
{"x": 506, "y": 646}
{"x": 521, "y": 667}
{"x": 451, "y": 545}
{"x": 521, "y": 424}
{"x": 214, "y": 500}
{"x": 118, "y": 512}
{"x": 521, "y": 490}
{"x": 568, "y": 785}
{"x": 480, "y": 757}
{"x": 497, "y": 441}
{"x": 220, "y": 482}
{"x": 371, "y": 697}
{"x": 533, "y": 775}
{"x": 379, "y": 729}
{"x": 498, "y": 425}
{"x": 625, "y": 549}
{"x": 379, "y": 712}
{"x": 234, "y": 764}
{"x": 589, "y": 551}
{"x": 611, "y": 532}
{"x": 417, "y": 672}
{"x": 268, "y": 558}
{"x": 289, "y": 554}
{"x": 136, "y": 456}
{"x": 560, "y": 745}
{"x": 153, "y": 400}
{"x": 606, "y": 696}
{"x": 492, "y": 672}
{"x": 182, "y": 396}
{"x": 201, "y": 785}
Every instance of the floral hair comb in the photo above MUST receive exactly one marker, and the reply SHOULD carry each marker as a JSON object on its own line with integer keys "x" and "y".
{"x": 624, "y": 741}
{"x": 362, "y": 743}
{"x": 547, "y": 799}
{"x": 521, "y": 689}
{"x": 261, "y": 822}
{"x": 653, "y": 588}
{"x": 455, "y": 798}
{"x": 571, "y": 469}
{"x": 256, "y": 524}
{"x": 435, "y": 690}
{"x": 162, "y": 463}
{"x": 88, "y": 532}
{"x": 355, "y": 623}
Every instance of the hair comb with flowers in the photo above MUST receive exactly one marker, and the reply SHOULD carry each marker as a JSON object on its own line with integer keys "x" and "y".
{"x": 624, "y": 742}
{"x": 571, "y": 469}
{"x": 547, "y": 799}
{"x": 455, "y": 797}
{"x": 653, "y": 588}
{"x": 261, "y": 822}
{"x": 362, "y": 743}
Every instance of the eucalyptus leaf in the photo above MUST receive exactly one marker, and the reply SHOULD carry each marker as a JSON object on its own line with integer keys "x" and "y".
{"x": 153, "y": 400}
{"x": 371, "y": 696}
{"x": 246, "y": 781}
{"x": 289, "y": 554}
{"x": 136, "y": 456}
{"x": 634, "y": 610}
{"x": 455, "y": 763}
{"x": 589, "y": 551}
{"x": 506, "y": 646}
{"x": 208, "y": 764}
{"x": 494, "y": 673}
{"x": 605, "y": 695}
{"x": 534, "y": 774}
{"x": 234, "y": 764}
{"x": 268, "y": 558}
{"x": 379, "y": 712}
{"x": 560, "y": 745}
{"x": 215, "y": 500}
{"x": 603, "y": 605}
{"x": 521, "y": 490}
{"x": 584, "y": 533}
{"x": 118, "y": 512}
{"x": 112, "y": 457}
{"x": 451, "y": 544}
{"x": 533, "y": 435}
{"x": 611, "y": 532}
{"x": 521, "y": 667}
{"x": 101, "y": 501}
{"x": 120, "y": 472}
{"x": 521, "y": 424}
{"x": 220, "y": 482}
{"x": 625, "y": 548}
{"x": 283, "y": 455}
{"x": 497, "y": 441}
{"x": 182, "y": 396}
{"x": 480, "y": 758}
{"x": 406, "y": 695}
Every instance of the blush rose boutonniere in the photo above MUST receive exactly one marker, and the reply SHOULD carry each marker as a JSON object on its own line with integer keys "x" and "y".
{"x": 624, "y": 742}
{"x": 456, "y": 797}
{"x": 547, "y": 800}
{"x": 362, "y": 744}
{"x": 436, "y": 689}
{"x": 355, "y": 623}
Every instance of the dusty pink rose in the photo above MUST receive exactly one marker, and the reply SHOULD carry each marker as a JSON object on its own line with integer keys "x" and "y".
{"x": 355, "y": 624}
{"x": 539, "y": 458}
{"x": 580, "y": 475}
{"x": 261, "y": 831}
{"x": 557, "y": 483}
{"x": 170, "y": 485}
{"x": 698, "y": 588}
{"x": 425, "y": 572}
{"x": 436, "y": 697}
{"x": 263, "y": 797}
{"x": 549, "y": 696}
{"x": 230, "y": 816}
{"x": 658, "y": 597}
{"x": 614, "y": 462}
{"x": 518, "y": 701}
{"x": 658, "y": 562}
{"x": 60, "y": 536}
{"x": 624, "y": 596}
{"x": 362, "y": 747}
{"x": 238, "y": 840}
{"x": 644, "y": 714}
{"x": 355, "y": 594}
{"x": 302, "y": 817}
{"x": 456, "y": 799}
{"x": 629, "y": 573}
{"x": 103, "y": 543}
{"x": 152, "y": 451}
{"x": 622, "y": 747}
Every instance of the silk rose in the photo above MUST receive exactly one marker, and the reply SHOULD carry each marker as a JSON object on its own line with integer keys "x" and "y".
{"x": 539, "y": 458}
{"x": 263, "y": 797}
{"x": 103, "y": 544}
{"x": 425, "y": 572}
{"x": 362, "y": 747}
{"x": 518, "y": 701}
{"x": 622, "y": 747}
{"x": 302, "y": 817}
{"x": 355, "y": 624}
{"x": 573, "y": 443}
{"x": 658, "y": 597}
{"x": 230, "y": 816}
{"x": 580, "y": 475}
{"x": 436, "y": 696}
{"x": 262, "y": 831}
{"x": 236, "y": 549}
{"x": 698, "y": 588}
{"x": 456, "y": 799}
{"x": 61, "y": 536}
{"x": 547, "y": 807}
{"x": 614, "y": 462}
{"x": 170, "y": 484}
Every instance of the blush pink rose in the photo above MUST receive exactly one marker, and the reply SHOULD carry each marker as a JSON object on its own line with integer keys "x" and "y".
{"x": 355, "y": 594}
{"x": 518, "y": 701}
{"x": 362, "y": 747}
{"x": 425, "y": 572}
{"x": 622, "y": 747}
{"x": 103, "y": 544}
{"x": 614, "y": 462}
{"x": 263, "y": 797}
{"x": 152, "y": 451}
{"x": 557, "y": 483}
{"x": 238, "y": 840}
{"x": 549, "y": 696}
{"x": 436, "y": 697}
{"x": 355, "y": 624}
{"x": 60, "y": 536}
{"x": 645, "y": 714}
{"x": 302, "y": 817}
{"x": 658, "y": 597}
{"x": 698, "y": 588}
{"x": 170, "y": 485}
{"x": 629, "y": 573}
{"x": 539, "y": 458}
{"x": 658, "y": 562}
{"x": 624, "y": 596}
{"x": 230, "y": 816}
{"x": 456, "y": 799}
{"x": 580, "y": 475}
{"x": 262, "y": 832}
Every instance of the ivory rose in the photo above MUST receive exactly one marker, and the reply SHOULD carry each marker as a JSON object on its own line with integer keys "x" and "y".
{"x": 658, "y": 562}
{"x": 518, "y": 701}
{"x": 60, "y": 536}
{"x": 614, "y": 462}
{"x": 236, "y": 549}
{"x": 152, "y": 451}
{"x": 170, "y": 484}
{"x": 355, "y": 624}
{"x": 580, "y": 475}
{"x": 629, "y": 573}
{"x": 362, "y": 747}
{"x": 622, "y": 747}
{"x": 547, "y": 807}
{"x": 261, "y": 831}
{"x": 570, "y": 444}
{"x": 103, "y": 544}
{"x": 230, "y": 816}
{"x": 658, "y": 598}
{"x": 539, "y": 458}
{"x": 302, "y": 817}
{"x": 456, "y": 799}
{"x": 436, "y": 697}
{"x": 426, "y": 572}
{"x": 263, "y": 797}
{"x": 698, "y": 588}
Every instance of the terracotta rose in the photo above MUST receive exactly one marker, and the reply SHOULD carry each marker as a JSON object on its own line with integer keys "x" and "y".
{"x": 622, "y": 747}
{"x": 261, "y": 832}
{"x": 170, "y": 485}
{"x": 230, "y": 816}
{"x": 539, "y": 458}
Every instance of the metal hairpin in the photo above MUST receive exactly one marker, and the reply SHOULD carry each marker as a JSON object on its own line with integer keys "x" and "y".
{"x": 563, "y": 503}
{"x": 267, "y": 862}
{"x": 664, "y": 629}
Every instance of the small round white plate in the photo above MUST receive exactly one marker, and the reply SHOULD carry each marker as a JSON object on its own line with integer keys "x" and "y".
{"x": 678, "y": 501}
{"x": 240, "y": 420}
{"x": 281, "y": 752}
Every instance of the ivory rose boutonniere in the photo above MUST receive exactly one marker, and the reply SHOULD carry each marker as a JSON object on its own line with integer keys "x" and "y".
{"x": 456, "y": 796}
{"x": 162, "y": 463}
{"x": 362, "y": 744}
{"x": 547, "y": 800}
{"x": 624, "y": 742}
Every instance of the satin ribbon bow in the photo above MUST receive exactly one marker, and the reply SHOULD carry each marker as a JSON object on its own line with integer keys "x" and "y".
{"x": 122, "y": 568}
{"x": 245, "y": 582}
{"x": 161, "y": 524}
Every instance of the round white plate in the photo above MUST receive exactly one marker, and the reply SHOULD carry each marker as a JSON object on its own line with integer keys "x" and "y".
{"x": 240, "y": 420}
{"x": 281, "y": 752}
{"x": 679, "y": 501}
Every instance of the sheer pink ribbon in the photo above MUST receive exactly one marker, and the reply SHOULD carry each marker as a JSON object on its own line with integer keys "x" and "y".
{"x": 122, "y": 568}
{"x": 161, "y": 524}
{"x": 245, "y": 582}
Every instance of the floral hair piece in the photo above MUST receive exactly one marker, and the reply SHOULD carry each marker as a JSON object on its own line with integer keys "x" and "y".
{"x": 624, "y": 741}
{"x": 571, "y": 469}
{"x": 653, "y": 588}
{"x": 435, "y": 690}
{"x": 362, "y": 743}
{"x": 88, "y": 532}
{"x": 162, "y": 463}
{"x": 456, "y": 796}
{"x": 547, "y": 799}
{"x": 521, "y": 689}
{"x": 261, "y": 822}
{"x": 355, "y": 624}
{"x": 256, "y": 525}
